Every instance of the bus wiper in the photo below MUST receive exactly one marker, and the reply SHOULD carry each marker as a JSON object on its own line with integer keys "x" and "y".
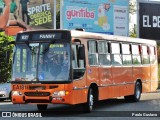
{"x": 30, "y": 48}
{"x": 20, "y": 79}
{"x": 27, "y": 43}
{"x": 46, "y": 50}
{"x": 34, "y": 79}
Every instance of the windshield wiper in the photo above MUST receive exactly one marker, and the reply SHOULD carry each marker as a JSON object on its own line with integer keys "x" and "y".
{"x": 46, "y": 50}
{"x": 27, "y": 43}
{"x": 34, "y": 79}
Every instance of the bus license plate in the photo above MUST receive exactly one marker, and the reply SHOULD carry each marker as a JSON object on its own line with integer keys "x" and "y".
{"x": 20, "y": 87}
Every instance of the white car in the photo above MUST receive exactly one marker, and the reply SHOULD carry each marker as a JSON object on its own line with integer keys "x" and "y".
{"x": 5, "y": 91}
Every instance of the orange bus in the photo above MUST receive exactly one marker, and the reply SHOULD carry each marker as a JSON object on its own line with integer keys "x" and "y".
{"x": 76, "y": 67}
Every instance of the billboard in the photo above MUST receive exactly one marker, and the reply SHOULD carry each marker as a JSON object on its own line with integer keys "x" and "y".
{"x": 41, "y": 13}
{"x": 31, "y": 14}
{"x": 149, "y": 20}
{"x": 101, "y": 16}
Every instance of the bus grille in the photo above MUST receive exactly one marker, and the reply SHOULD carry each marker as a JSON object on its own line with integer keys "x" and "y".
{"x": 37, "y": 87}
{"x": 37, "y": 101}
{"x": 37, "y": 94}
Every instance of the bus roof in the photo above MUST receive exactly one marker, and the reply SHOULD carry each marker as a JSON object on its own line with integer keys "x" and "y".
{"x": 98, "y": 36}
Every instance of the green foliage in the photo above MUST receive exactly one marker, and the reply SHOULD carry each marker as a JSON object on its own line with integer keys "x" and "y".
{"x": 58, "y": 20}
{"x": 132, "y": 10}
{"x": 132, "y": 5}
{"x": 134, "y": 35}
{"x": 132, "y": 32}
{"x": 58, "y": 15}
{"x": 5, "y": 57}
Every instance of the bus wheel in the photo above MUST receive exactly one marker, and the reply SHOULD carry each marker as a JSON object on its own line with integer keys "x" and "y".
{"x": 42, "y": 107}
{"x": 88, "y": 107}
{"x": 137, "y": 94}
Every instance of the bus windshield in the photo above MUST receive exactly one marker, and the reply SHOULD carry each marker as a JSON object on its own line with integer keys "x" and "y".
{"x": 41, "y": 62}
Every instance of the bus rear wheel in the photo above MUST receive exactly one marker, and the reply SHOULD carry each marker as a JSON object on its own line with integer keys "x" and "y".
{"x": 88, "y": 107}
{"x": 137, "y": 94}
{"x": 42, "y": 107}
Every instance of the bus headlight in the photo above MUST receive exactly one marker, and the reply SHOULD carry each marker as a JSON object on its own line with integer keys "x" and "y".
{"x": 59, "y": 93}
{"x": 16, "y": 93}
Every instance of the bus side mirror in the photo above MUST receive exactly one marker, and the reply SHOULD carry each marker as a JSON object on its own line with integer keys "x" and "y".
{"x": 81, "y": 52}
{"x": 73, "y": 55}
{"x": 81, "y": 56}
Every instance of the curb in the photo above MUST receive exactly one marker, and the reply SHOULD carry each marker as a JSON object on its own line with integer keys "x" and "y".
{"x": 157, "y": 91}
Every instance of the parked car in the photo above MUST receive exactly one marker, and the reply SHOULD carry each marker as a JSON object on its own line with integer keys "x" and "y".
{"x": 5, "y": 91}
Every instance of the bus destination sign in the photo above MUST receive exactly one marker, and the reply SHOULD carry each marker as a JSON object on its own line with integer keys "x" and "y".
{"x": 24, "y": 37}
{"x": 38, "y": 36}
{"x": 46, "y": 36}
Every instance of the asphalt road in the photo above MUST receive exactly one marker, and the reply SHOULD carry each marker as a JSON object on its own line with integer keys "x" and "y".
{"x": 148, "y": 107}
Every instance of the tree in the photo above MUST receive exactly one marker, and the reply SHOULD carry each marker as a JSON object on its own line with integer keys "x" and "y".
{"x": 58, "y": 14}
{"x": 132, "y": 7}
{"x": 133, "y": 32}
{"x": 132, "y": 10}
{"x": 58, "y": 20}
{"x": 5, "y": 57}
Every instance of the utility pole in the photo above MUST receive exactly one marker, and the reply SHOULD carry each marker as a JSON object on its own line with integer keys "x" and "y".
{"x": 55, "y": 12}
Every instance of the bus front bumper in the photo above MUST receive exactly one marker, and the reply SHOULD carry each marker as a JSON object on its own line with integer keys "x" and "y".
{"x": 38, "y": 100}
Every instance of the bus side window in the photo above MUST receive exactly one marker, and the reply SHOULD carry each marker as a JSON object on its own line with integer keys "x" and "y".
{"x": 115, "y": 54}
{"x": 74, "y": 57}
{"x": 136, "y": 54}
{"x": 152, "y": 54}
{"x": 78, "y": 61}
{"x": 126, "y": 54}
{"x": 92, "y": 52}
{"x": 103, "y": 53}
{"x": 145, "y": 55}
